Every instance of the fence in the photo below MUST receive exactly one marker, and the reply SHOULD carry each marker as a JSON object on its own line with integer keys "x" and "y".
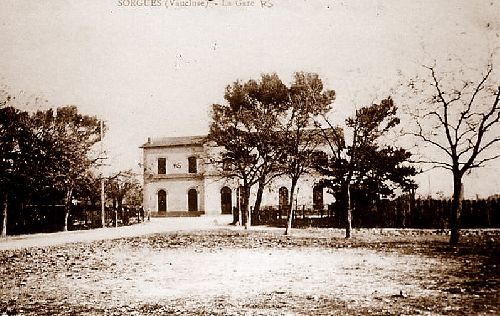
{"x": 84, "y": 217}
{"x": 27, "y": 219}
{"x": 400, "y": 213}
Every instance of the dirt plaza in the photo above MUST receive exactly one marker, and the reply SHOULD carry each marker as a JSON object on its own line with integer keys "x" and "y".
{"x": 203, "y": 266}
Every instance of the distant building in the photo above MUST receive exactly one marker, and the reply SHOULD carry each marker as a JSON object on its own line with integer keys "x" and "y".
{"x": 179, "y": 180}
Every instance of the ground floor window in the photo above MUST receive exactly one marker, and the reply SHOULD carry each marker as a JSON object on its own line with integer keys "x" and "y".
{"x": 283, "y": 198}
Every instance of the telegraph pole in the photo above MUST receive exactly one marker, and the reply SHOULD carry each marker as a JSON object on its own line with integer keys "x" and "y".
{"x": 103, "y": 213}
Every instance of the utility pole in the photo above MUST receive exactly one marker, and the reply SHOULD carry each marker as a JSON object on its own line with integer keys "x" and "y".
{"x": 103, "y": 213}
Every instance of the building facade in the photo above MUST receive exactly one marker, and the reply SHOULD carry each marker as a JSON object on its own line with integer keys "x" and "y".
{"x": 179, "y": 180}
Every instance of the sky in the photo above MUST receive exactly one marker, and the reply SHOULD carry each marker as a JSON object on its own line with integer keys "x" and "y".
{"x": 152, "y": 71}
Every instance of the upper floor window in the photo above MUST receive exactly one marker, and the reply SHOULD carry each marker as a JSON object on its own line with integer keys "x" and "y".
{"x": 192, "y": 168}
{"x": 319, "y": 158}
{"x": 226, "y": 164}
{"x": 162, "y": 165}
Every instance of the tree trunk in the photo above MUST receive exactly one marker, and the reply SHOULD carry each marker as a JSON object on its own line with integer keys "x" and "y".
{"x": 115, "y": 213}
{"x": 236, "y": 215}
{"x": 240, "y": 206}
{"x": 246, "y": 207}
{"x": 4, "y": 214}
{"x": 249, "y": 218}
{"x": 103, "y": 211}
{"x": 258, "y": 199}
{"x": 456, "y": 209}
{"x": 67, "y": 206}
{"x": 290, "y": 211}
{"x": 120, "y": 210}
{"x": 348, "y": 221}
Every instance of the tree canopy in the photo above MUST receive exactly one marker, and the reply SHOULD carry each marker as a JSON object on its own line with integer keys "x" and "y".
{"x": 44, "y": 154}
{"x": 308, "y": 101}
{"x": 247, "y": 127}
{"x": 365, "y": 166}
{"x": 265, "y": 129}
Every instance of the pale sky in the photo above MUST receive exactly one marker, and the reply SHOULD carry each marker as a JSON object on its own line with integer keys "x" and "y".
{"x": 155, "y": 71}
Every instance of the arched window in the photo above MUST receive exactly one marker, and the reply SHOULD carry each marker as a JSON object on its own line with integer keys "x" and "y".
{"x": 226, "y": 202}
{"x": 318, "y": 197}
{"x": 162, "y": 201}
{"x": 283, "y": 198}
{"x": 192, "y": 200}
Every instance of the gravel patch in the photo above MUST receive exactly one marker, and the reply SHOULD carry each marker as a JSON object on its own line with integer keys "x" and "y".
{"x": 229, "y": 271}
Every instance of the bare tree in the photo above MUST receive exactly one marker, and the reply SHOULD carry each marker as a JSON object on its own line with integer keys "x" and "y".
{"x": 461, "y": 119}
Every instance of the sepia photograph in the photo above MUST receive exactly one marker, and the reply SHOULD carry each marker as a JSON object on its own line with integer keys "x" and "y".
{"x": 249, "y": 157}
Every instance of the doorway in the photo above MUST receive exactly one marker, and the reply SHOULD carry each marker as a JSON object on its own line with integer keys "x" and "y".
{"x": 283, "y": 199}
{"x": 192, "y": 200}
{"x": 162, "y": 201}
{"x": 318, "y": 197}
{"x": 226, "y": 200}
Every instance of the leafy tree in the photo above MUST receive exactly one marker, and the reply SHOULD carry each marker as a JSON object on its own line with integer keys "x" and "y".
{"x": 460, "y": 118}
{"x": 123, "y": 186}
{"x": 43, "y": 154}
{"x": 308, "y": 101}
{"x": 15, "y": 161}
{"x": 267, "y": 129}
{"x": 133, "y": 196}
{"x": 365, "y": 165}
{"x": 88, "y": 188}
{"x": 20, "y": 157}
{"x": 247, "y": 128}
{"x": 269, "y": 100}
{"x": 68, "y": 138}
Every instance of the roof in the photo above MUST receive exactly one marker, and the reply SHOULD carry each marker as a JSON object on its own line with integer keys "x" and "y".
{"x": 174, "y": 141}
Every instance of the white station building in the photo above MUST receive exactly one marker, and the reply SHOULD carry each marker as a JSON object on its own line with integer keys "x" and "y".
{"x": 179, "y": 180}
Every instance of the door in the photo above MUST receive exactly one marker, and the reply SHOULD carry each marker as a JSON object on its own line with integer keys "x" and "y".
{"x": 225, "y": 200}
{"x": 162, "y": 201}
{"x": 283, "y": 199}
{"x": 318, "y": 197}
{"x": 192, "y": 200}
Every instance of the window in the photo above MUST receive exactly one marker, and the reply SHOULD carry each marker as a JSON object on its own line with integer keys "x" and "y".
{"x": 226, "y": 164}
{"x": 192, "y": 165}
{"x": 319, "y": 158}
{"x": 162, "y": 165}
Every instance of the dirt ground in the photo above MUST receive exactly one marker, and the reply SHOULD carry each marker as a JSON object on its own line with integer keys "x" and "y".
{"x": 222, "y": 270}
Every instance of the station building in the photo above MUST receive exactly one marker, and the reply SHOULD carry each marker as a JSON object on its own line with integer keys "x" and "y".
{"x": 180, "y": 180}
